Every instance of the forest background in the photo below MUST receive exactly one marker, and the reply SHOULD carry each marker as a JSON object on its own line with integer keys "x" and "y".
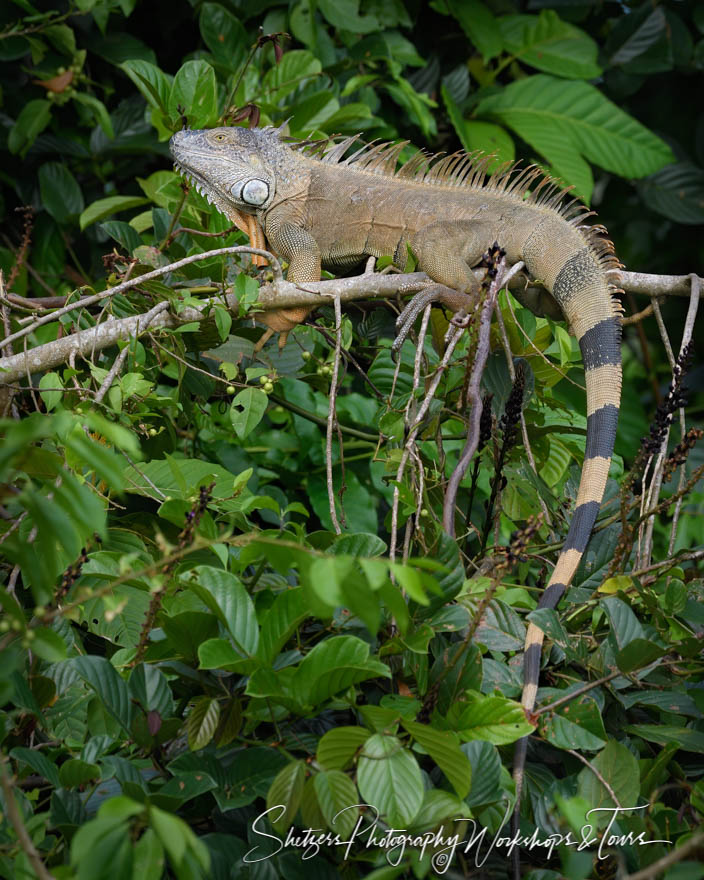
{"x": 202, "y": 618}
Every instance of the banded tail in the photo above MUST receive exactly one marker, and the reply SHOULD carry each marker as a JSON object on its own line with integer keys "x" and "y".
{"x": 579, "y": 282}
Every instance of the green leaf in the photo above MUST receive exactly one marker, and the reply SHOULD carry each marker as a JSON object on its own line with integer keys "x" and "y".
{"x": 223, "y": 321}
{"x": 685, "y": 738}
{"x": 337, "y": 797}
{"x": 48, "y": 645}
{"x": 344, "y": 14}
{"x": 202, "y": 722}
{"x": 290, "y": 73}
{"x": 150, "y": 688}
{"x": 39, "y": 762}
{"x": 50, "y": 390}
{"x": 61, "y": 194}
{"x": 547, "y": 42}
{"x": 180, "y": 842}
{"x": 332, "y": 666}
{"x": 286, "y": 791}
{"x": 195, "y": 92}
{"x": 491, "y": 718}
{"x": 578, "y": 725}
{"x": 226, "y": 597}
{"x": 110, "y": 688}
{"x": 223, "y": 35}
{"x": 247, "y": 410}
{"x": 565, "y": 119}
{"x": 75, "y": 772}
{"x": 676, "y": 192}
{"x": 625, "y": 626}
{"x": 102, "y": 849}
{"x": 149, "y": 856}
{"x": 33, "y": 119}
{"x": 338, "y": 746}
{"x": 123, "y": 234}
{"x": 618, "y": 767}
{"x": 388, "y": 776}
{"x": 280, "y": 622}
{"x": 486, "y": 772}
{"x": 153, "y": 83}
{"x": 482, "y": 137}
{"x": 648, "y": 31}
{"x": 105, "y": 207}
{"x": 638, "y": 654}
{"x": 444, "y": 749}
{"x": 100, "y": 112}
{"x": 219, "y": 654}
{"x": 479, "y": 25}
{"x": 62, "y": 38}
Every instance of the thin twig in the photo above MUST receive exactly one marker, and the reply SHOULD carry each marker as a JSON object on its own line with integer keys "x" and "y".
{"x": 114, "y": 370}
{"x": 474, "y": 397}
{"x": 13, "y": 814}
{"x": 654, "y": 870}
{"x": 453, "y": 338}
{"x": 612, "y": 793}
{"x": 331, "y": 420}
{"x": 148, "y": 276}
{"x": 578, "y": 693}
{"x": 686, "y": 337}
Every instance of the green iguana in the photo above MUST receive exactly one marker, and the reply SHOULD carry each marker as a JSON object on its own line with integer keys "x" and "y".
{"x": 319, "y": 207}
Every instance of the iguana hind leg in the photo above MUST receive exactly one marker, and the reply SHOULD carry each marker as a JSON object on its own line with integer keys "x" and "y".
{"x": 446, "y": 251}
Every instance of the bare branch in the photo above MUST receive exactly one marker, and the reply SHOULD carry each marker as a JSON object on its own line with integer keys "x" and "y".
{"x": 281, "y": 294}
{"x": 332, "y": 418}
{"x": 473, "y": 395}
{"x": 148, "y": 276}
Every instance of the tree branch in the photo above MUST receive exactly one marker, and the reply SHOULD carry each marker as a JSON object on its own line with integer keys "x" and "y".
{"x": 281, "y": 294}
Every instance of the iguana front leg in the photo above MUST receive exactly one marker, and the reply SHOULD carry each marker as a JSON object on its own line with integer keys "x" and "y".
{"x": 303, "y": 254}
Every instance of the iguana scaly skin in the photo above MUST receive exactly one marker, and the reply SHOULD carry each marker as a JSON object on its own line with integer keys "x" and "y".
{"x": 318, "y": 208}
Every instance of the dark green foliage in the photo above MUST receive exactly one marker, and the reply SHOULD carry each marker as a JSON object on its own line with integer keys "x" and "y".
{"x": 185, "y": 640}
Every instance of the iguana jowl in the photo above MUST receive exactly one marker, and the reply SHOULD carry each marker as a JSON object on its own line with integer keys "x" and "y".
{"x": 317, "y": 207}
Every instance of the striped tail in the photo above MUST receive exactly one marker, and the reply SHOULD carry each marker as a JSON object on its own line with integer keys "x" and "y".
{"x": 580, "y": 286}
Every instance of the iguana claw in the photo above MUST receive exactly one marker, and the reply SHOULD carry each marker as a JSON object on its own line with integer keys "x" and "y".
{"x": 438, "y": 293}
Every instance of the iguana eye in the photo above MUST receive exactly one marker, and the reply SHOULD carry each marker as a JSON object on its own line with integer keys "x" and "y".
{"x": 219, "y": 137}
{"x": 254, "y": 192}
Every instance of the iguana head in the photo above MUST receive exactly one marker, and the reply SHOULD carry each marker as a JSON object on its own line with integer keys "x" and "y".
{"x": 232, "y": 167}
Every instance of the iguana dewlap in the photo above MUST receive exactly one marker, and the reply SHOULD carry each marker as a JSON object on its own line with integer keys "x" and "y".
{"x": 318, "y": 208}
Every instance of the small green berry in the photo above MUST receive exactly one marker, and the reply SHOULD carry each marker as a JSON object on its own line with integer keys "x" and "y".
{"x": 16, "y": 625}
{"x": 263, "y": 380}
{"x": 4, "y": 626}
{"x": 152, "y": 432}
{"x": 269, "y": 387}
{"x": 230, "y": 389}
{"x": 424, "y": 511}
{"x": 30, "y": 635}
{"x": 39, "y": 611}
{"x": 306, "y": 355}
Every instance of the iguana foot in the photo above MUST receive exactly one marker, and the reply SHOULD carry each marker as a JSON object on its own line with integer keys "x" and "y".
{"x": 280, "y": 321}
{"x": 438, "y": 293}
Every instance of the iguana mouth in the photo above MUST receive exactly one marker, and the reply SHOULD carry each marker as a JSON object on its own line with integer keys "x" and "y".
{"x": 246, "y": 223}
{"x": 198, "y": 182}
